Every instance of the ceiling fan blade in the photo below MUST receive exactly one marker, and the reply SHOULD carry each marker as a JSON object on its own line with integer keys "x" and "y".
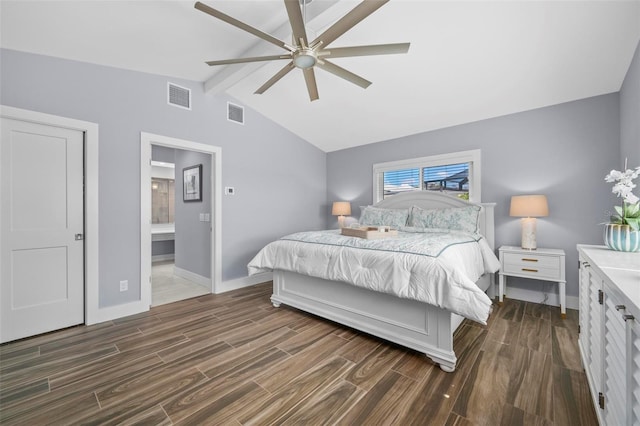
{"x": 296, "y": 20}
{"x": 312, "y": 87}
{"x": 244, "y": 60}
{"x": 342, "y": 73}
{"x": 348, "y": 21}
{"x": 374, "y": 49}
{"x": 238, "y": 24}
{"x": 273, "y": 80}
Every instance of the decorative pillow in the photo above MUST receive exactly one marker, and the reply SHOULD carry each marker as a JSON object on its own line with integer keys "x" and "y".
{"x": 464, "y": 219}
{"x": 375, "y": 216}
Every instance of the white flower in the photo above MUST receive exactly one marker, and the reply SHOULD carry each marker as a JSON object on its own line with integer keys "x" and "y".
{"x": 631, "y": 199}
{"x": 613, "y": 176}
{"x": 629, "y": 212}
{"x": 624, "y": 184}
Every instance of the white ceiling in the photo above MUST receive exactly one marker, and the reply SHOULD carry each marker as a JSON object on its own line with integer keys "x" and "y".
{"x": 468, "y": 61}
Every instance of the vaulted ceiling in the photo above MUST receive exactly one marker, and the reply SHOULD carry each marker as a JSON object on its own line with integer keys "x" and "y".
{"x": 468, "y": 60}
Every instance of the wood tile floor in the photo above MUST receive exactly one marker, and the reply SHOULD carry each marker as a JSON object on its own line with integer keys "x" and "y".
{"x": 233, "y": 359}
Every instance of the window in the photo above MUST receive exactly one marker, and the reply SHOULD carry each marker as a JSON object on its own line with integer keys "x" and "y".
{"x": 396, "y": 181}
{"x": 457, "y": 174}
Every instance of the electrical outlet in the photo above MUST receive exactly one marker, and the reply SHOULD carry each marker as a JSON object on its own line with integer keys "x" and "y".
{"x": 124, "y": 285}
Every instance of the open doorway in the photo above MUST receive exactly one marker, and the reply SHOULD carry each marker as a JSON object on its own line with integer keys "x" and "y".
{"x": 188, "y": 276}
{"x": 180, "y": 219}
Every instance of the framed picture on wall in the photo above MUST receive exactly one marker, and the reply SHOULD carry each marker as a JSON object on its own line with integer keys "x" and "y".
{"x": 192, "y": 182}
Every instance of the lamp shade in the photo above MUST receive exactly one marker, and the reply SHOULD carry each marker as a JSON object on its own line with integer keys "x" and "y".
{"x": 341, "y": 208}
{"x": 529, "y": 206}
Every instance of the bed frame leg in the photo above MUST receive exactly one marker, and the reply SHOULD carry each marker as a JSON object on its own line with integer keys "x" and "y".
{"x": 445, "y": 365}
{"x": 447, "y": 368}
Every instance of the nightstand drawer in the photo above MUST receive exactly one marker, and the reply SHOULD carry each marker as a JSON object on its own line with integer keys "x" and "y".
{"x": 532, "y": 265}
{"x": 532, "y": 271}
{"x": 534, "y": 261}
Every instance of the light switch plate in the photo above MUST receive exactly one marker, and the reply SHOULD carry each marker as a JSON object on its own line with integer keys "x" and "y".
{"x": 229, "y": 190}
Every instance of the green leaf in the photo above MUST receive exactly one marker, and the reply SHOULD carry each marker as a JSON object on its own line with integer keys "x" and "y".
{"x": 633, "y": 210}
{"x": 619, "y": 210}
{"x": 634, "y": 224}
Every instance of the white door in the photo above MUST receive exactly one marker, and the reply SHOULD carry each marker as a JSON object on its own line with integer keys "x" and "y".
{"x": 41, "y": 229}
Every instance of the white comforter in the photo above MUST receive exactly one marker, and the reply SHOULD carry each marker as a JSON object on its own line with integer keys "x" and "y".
{"x": 438, "y": 267}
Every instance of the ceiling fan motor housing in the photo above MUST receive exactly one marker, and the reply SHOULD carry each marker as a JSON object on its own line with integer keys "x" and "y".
{"x": 304, "y": 58}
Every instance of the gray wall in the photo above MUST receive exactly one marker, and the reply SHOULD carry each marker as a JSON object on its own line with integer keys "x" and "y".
{"x": 563, "y": 151}
{"x": 193, "y": 237}
{"x": 163, "y": 153}
{"x": 276, "y": 194}
{"x": 630, "y": 113}
{"x": 162, "y": 247}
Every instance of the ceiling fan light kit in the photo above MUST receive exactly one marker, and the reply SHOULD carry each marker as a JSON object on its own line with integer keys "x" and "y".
{"x": 306, "y": 56}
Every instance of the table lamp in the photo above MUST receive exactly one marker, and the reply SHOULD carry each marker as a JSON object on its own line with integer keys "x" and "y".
{"x": 341, "y": 209}
{"x": 528, "y": 207}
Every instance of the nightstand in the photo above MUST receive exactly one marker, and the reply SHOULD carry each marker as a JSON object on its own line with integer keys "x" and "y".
{"x": 542, "y": 264}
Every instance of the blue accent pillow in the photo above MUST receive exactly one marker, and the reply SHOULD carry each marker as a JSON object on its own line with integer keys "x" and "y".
{"x": 464, "y": 219}
{"x": 375, "y": 216}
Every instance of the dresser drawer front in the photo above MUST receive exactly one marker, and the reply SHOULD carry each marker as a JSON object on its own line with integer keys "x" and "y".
{"x": 532, "y": 265}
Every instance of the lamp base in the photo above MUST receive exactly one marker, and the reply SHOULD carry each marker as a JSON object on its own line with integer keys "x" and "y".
{"x": 340, "y": 221}
{"x": 529, "y": 233}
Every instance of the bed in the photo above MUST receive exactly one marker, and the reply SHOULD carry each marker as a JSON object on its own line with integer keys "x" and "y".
{"x": 415, "y": 324}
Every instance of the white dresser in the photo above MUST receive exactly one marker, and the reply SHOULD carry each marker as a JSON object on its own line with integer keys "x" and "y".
{"x": 610, "y": 332}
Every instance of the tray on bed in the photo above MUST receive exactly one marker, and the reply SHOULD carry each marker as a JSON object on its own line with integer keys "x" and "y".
{"x": 369, "y": 232}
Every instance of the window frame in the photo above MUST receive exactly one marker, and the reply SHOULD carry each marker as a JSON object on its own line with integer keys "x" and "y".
{"x": 472, "y": 157}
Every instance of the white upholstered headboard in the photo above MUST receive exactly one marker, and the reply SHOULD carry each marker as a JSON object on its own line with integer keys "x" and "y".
{"x": 437, "y": 200}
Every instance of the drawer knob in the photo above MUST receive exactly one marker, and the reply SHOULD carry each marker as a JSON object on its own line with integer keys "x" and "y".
{"x": 620, "y": 307}
{"x": 529, "y": 270}
{"x": 524, "y": 259}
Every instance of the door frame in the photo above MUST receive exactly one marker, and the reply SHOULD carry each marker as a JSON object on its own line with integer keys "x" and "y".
{"x": 146, "y": 141}
{"x": 92, "y": 311}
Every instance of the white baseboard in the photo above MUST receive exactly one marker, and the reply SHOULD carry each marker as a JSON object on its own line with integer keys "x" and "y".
{"x": 114, "y": 312}
{"x": 162, "y": 257}
{"x": 192, "y": 276}
{"x": 245, "y": 282}
{"x": 528, "y": 295}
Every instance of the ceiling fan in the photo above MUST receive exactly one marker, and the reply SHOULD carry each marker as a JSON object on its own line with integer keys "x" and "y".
{"x": 308, "y": 55}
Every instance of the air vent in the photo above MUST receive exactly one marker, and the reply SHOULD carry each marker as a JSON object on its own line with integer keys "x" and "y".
{"x": 235, "y": 113}
{"x": 179, "y": 96}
